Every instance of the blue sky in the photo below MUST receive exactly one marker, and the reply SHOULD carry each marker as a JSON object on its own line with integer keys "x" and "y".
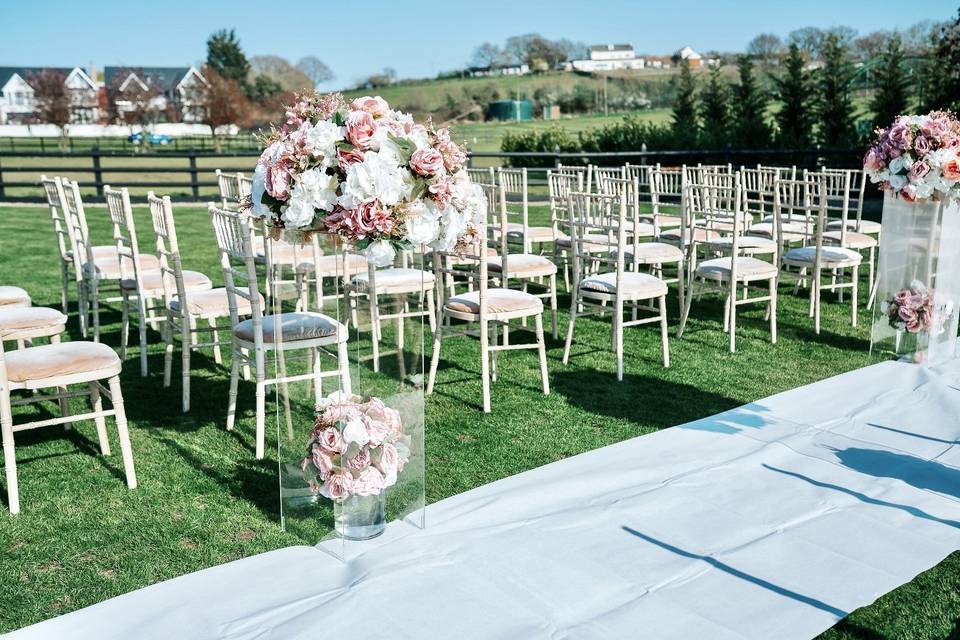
{"x": 418, "y": 39}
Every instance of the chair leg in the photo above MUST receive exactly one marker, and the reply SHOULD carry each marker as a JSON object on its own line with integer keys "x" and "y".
{"x": 853, "y": 295}
{"x": 96, "y": 310}
{"x": 495, "y": 355}
{"x": 686, "y": 314}
{"x": 217, "y": 356}
{"x": 772, "y": 311}
{"x": 542, "y": 349}
{"x": 726, "y": 309}
{"x": 186, "y": 347}
{"x": 316, "y": 369}
{"x": 343, "y": 362}
{"x": 815, "y": 289}
{"x": 261, "y": 412}
{"x": 375, "y": 328}
{"x": 435, "y": 356}
{"x": 234, "y": 381}
{"x": 82, "y": 308}
{"x": 126, "y": 451}
{"x": 485, "y": 363}
{"x": 142, "y": 310}
{"x": 246, "y": 363}
{"x": 664, "y": 334}
{"x": 124, "y": 326}
{"x": 681, "y": 284}
{"x": 100, "y": 421}
{"x": 285, "y": 391}
{"x": 553, "y": 305}
{"x": 64, "y": 286}
{"x": 168, "y": 350}
{"x": 9, "y": 455}
{"x": 618, "y": 337}
{"x": 732, "y": 301}
{"x": 570, "y": 326}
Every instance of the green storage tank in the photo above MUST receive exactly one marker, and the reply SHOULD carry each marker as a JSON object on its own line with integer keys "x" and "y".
{"x": 510, "y": 110}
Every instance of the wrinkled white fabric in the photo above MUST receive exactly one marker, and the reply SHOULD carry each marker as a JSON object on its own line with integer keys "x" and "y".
{"x": 771, "y": 520}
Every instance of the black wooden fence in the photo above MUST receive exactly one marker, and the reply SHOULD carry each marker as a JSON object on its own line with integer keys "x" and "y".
{"x": 189, "y": 176}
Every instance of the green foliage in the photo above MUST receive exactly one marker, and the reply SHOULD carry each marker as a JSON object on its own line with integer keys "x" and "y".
{"x": 942, "y": 76}
{"x": 630, "y": 134}
{"x": 835, "y": 112}
{"x": 715, "y": 112}
{"x": 750, "y": 127}
{"x": 552, "y": 140}
{"x": 263, "y": 88}
{"x": 793, "y": 88}
{"x": 893, "y": 86}
{"x": 685, "y": 108}
{"x": 226, "y": 57}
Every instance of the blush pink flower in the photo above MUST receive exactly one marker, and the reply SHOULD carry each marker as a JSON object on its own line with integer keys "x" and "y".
{"x": 951, "y": 169}
{"x": 873, "y": 161}
{"x": 441, "y": 190}
{"x": 337, "y": 411}
{"x": 453, "y": 156}
{"x": 370, "y": 482}
{"x": 374, "y": 105}
{"x": 918, "y": 171}
{"x": 389, "y": 463}
{"x": 383, "y": 221}
{"x": 361, "y": 460}
{"x": 347, "y": 157}
{"x": 921, "y": 144}
{"x": 426, "y": 162}
{"x": 337, "y": 486}
{"x": 361, "y": 129}
{"x": 323, "y": 461}
{"x": 332, "y": 440}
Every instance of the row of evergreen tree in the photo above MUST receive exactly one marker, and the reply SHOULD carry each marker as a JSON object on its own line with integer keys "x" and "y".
{"x": 815, "y": 106}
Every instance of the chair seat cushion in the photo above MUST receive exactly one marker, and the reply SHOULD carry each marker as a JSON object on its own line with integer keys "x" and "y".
{"x": 23, "y": 318}
{"x": 498, "y": 301}
{"x": 214, "y": 302}
{"x": 333, "y": 265}
{"x": 767, "y": 229}
{"x": 523, "y": 265}
{"x": 640, "y": 228}
{"x": 699, "y": 234}
{"x": 153, "y": 282}
{"x": 534, "y": 234}
{"x": 747, "y": 269}
{"x": 832, "y": 256}
{"x": 852, "y": 239}
{"x": 11, "y": 296}
{"x": 866, "y": 226}
{"x": 790, "y": 217}
{"x": 108, "y": 267}
{"x": 593, "y": 242}
{"x": 653, "y": 253}
{"x": 294, "y": 326}
{"x": 64, "y": 359}
{"x": 100, "y": 251}
{"x": 395, "y": 280}
{"x": 634, "y": 285}
{"x": 664, "y": 221}
{"x": 748, "y": 244}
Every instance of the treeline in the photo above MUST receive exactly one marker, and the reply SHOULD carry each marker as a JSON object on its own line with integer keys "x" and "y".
{"x": 808, "y": 104}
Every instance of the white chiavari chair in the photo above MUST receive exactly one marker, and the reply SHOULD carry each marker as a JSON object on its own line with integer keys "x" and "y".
{"x": 600, "y": 220}
{"x": 56, "y": 366}
{"x": 53, "y": 189}
{"x": 845, "y": 225}
{"x": 817, "y": 258}
{"x": 256, "y": 337}
{"x": 481, "y": 175}
{"x": 486, "y": 306}
{"x": 516, "y": 186}
{"x": 717, "y": 205}
{"x": 585, "y": 173}
{"x": 142, "y": 282}
{"x": 559, "y": 185}
{"x": 525, "y": 267}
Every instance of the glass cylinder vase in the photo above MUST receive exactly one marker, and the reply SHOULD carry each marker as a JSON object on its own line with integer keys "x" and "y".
{"x": 918, "y": 287}
{"x": 361, "y": 517}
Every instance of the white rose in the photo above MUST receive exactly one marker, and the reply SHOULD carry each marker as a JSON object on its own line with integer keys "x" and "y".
{"x": 260, "y": 210}
{"x": 422, "y": 225}
{"x": 355, "y": 431}
{"x": 924, "y": 189}
{"x": 420, "y": 138}
{"x": 897, "y": 165}
{"x": 299, "y": 213}
{"x": 323, "y": 138}
{"x": 380, "y": 253}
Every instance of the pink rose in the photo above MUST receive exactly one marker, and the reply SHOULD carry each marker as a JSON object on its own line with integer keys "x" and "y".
{"x": 951, "y": 169}
{"x": 337, "y": 486}
{"x": 368, "y": 483}
{"x": 921, "y": 145}
{"x": 383, "y": 221}
{"x": 426, "y": 162}
{"x": 441, "y": 190}
{"x": 361, "y": 129}
{"x": 909, "y": 193}
{"x": 918, "y": 171}
{"x": 901, "y": 297}
{"x": 873, "y": 161}
{"x": 374, "y": 105}
{"x": 277, "y": 182}
{"x": 338, "y": 411}
{"x": 389, "y": 464}
{"x": 935, "y": 127}
{"x": 395, "y": 127}
{"x": 331, "y": 440}
{"x": 382, "y": 421}
{"x": 322, "y": 460}
{"x": 347, "y": 157}
{"x": 453, "y": 156}
{"x": 906, "y": 313}
{"x": 361, "y": 460}
{"x": 900, "y": 133}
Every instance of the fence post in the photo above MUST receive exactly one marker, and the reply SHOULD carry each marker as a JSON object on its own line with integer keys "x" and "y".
{"x": 194, "y": 183}
{"x": 2, "y": 191}
{"x": 97, "y": 170}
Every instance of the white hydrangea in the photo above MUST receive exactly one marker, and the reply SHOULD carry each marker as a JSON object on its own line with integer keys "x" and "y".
{"x": 323, "y": 139}
{"x": 318, "y": 188}
{"x": 422, "y": 224}
{"x": 375, "y": 177}
{"x": 299, "y": 213}
{"x": 260, "y": 210}
{"x": 381, "y": 254}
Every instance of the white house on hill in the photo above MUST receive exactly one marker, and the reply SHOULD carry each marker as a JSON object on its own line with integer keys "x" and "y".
{"x": 17, "y": 102}
{"x": 609, "y": 57}
{"x": 172, "y": 88}
{"x": 694, "y": 59}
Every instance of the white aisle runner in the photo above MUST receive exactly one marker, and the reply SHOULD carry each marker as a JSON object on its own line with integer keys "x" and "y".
{"x": 772, "y": 520}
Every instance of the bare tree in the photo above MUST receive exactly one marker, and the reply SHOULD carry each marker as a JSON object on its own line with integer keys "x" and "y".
{"x": 917, "y": 38}
{"x": 315, "y": 69}
{"x": 280, "y": 71}
{"x": 134, "y": 101}
{"x": 871, "y": 45}
{"x": 220, "y": 102}
{"x": 765, "y": 49}
{"x": 488, "y": 55}
{"x": 808, "y": 39}
{"x": 845, "y": 34}
{"x": 51, "y": 100}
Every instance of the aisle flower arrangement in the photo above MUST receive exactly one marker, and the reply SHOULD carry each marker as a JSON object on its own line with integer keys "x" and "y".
{"x": 910, "y": 309}
{"x": 370, "y": 175}
{"x": 917, "y": 157}
{"x": 355, "y": 448}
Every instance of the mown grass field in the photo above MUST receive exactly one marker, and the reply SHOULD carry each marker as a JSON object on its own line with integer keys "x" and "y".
{"x": 203, "y": 499}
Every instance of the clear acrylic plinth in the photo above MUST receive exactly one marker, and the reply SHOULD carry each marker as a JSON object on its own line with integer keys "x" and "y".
{"x": 919, "y": 252}
{"x": 384, "y": 354}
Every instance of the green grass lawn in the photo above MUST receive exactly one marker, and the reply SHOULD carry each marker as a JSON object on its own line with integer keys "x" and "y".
{"x": 203, "y": 500}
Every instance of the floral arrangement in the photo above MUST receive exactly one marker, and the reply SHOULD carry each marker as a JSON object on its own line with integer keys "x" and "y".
{"x": 910, "y": 309}
{"x": 368, "y": 174}
{"x": 355, "y": 449}
{"x": 917, "y": 156}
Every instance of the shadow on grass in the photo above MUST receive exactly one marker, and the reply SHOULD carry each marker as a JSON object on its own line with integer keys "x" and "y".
{"x": 647, "y": 400}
